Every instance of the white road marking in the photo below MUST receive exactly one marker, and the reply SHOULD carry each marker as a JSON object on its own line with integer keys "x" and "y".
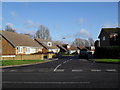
{"x": 57, "y": 67}
{"x": 80, "y": 70}
{"x": 95, "y": 70}
{"x": 46, "y": 82}
{"x": 59, "y": 70}
{"x": 111, "y": 70}
{"x": 64, "y": 61}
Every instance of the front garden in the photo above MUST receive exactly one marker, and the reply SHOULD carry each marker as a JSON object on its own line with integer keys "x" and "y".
{"x": 20, "y": 62}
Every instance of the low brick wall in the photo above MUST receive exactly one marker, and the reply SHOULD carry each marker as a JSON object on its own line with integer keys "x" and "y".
{"x": 29, "y": 57}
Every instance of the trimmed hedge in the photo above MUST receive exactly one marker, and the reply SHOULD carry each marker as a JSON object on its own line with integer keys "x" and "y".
{"x": 107, "y": 52}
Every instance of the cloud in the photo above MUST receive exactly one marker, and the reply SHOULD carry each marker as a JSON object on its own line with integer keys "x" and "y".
{"x": 31, "y": 24}
{"x": 83, "y": 33}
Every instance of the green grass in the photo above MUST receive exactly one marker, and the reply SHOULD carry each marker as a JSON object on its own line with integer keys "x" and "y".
{"x": 19, "y": 62}
{"x": 108, "y": 60}
{"x": 67, "y": 55}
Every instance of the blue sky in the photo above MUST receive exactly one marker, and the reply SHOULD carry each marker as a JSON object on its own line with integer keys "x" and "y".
{"x": 64, "y": 19}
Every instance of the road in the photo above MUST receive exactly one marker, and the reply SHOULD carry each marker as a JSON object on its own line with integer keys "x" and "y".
{"x": 68, "y": 72}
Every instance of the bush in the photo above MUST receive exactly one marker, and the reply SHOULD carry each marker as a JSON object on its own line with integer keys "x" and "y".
{"x": 107, "y": 52}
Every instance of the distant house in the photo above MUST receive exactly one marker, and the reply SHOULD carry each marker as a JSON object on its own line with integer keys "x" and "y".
{"x": 15, "y": 44}
{"x": 60, "y": 46}
{"x": 106, "y": 34}
{"x": 70, "y": 48}
{"x": 48, "y": 45}
{"x": 83, "y": 48}
{"x": 91, "y": 49}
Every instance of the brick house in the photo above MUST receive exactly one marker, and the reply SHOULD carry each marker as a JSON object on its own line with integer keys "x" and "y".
{"x": 16, "y": 44}
{"x": 106, "y": 34}
{"x": 48, "y": 46}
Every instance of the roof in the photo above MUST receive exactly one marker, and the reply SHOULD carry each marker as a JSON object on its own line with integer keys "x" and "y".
{"x": 81, "y": 47}
{"x": 109, "y": 30}
{"x": 19, "y": 39}
{"x": 60, "y": 46}
{"x": 72, "y": 48}
{"x": 42, "y": 42}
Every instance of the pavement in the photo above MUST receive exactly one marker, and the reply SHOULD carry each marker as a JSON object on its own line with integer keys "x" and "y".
{"x": 67, "y": 72}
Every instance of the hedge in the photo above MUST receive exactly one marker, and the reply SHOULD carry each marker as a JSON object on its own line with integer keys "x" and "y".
{"x": 107, "y": 52}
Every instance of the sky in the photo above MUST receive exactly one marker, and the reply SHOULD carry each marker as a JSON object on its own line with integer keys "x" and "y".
{"x": 64, "y": 19}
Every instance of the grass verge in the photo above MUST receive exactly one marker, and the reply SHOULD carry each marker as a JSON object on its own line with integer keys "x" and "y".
{"x": 67, "y": 55}
{"x": 20, "y": 62}
{"x": 108, "y": 60}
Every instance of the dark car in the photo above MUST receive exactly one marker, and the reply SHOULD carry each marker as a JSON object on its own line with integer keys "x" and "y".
{"x": 83, "y": 55}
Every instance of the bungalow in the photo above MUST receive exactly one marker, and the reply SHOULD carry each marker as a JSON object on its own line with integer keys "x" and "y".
{"x": 70, "y": 48}
{"x": 106, "y": 34}
{"x": 48, "y": 46}
{"x": 62, "y": 49}
{"x": 15, "y": 44}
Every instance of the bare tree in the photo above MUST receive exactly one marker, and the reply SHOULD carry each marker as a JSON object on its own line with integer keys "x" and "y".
{"x": 87, "y": 44}
{"x": 9, "y": 28}
{"x": 43, "y": 33}
{"x": 91, "y": 41}
{"x": 78, "y": 42}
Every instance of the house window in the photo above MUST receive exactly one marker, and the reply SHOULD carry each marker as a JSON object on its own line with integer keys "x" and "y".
{"x": 33, "y": 50}
{"x": 104, "y": 38}
{"x": 20, "y": 49}
{"x": 28, "y": 50}
{"x": 68, "y": 46}
{"x": 49, "y": 44}
{"x": 39, "y": 49}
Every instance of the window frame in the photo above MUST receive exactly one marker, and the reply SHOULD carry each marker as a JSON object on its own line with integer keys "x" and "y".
{"x": 27, "y": 49}
{"x": 20, "y": 49}
{"x": 103, "y": 38}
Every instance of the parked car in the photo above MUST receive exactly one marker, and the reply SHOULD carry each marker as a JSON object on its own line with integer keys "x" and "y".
{"x": 83, "y": 55}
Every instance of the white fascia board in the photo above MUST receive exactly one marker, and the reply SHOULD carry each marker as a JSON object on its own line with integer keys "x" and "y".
{"x": 29, "y": 46}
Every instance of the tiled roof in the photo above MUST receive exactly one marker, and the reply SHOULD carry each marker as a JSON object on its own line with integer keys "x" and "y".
{"x": 72, "y": 48}
{"x": 42, "y": 42}
{"x": 60, "y": 46}
{"x": 109, "y": 30}
{"x": 19, "y": 39}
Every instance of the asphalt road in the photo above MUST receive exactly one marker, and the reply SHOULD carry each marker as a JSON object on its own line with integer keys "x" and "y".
{"x": 68, "y": 72}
